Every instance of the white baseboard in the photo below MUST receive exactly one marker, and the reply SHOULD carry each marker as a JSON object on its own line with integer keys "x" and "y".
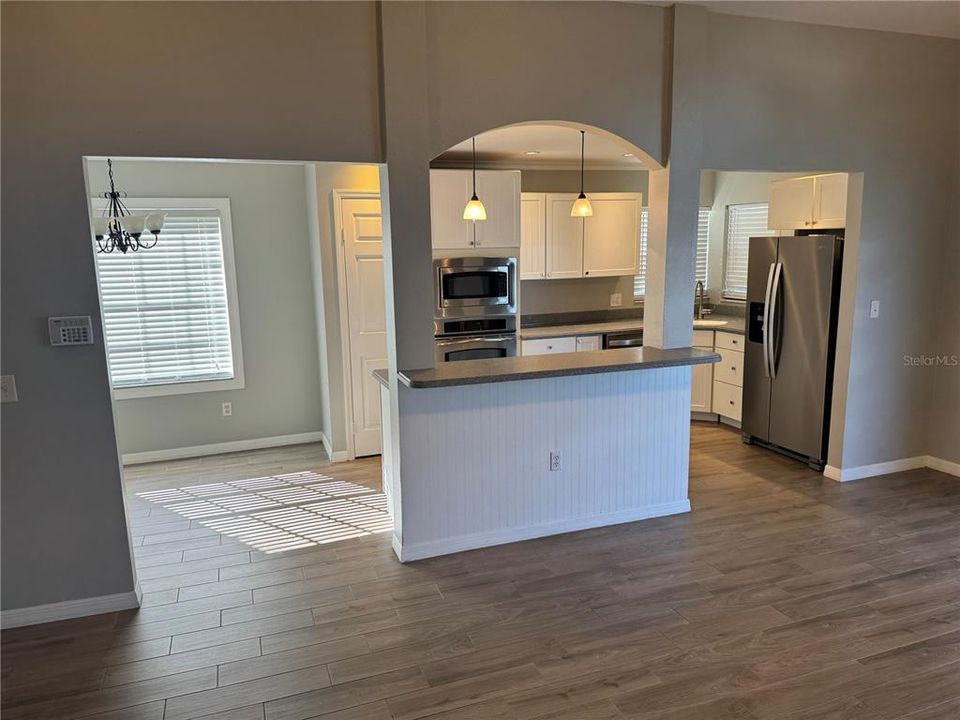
{"x": 221, "y": 448}
{"x": 944, "y": 466}
{"x": 419, "y": 551}
{"x": 335, "y": 457}
{"x": 885, "y": 468}
{"x": 54, "y": 612}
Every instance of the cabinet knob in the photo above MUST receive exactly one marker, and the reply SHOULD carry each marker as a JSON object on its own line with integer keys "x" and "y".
{"x": 586, "y": 272}
{"x": 731, "y": 402}
{"x": 733, "y": 367}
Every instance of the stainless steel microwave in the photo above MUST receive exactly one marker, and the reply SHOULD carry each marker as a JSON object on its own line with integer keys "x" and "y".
{"x": 475, "y": 286}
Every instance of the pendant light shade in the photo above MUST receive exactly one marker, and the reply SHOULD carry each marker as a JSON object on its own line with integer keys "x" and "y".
{"x": 474, "y": 209}
{"x": 581, "y": 207}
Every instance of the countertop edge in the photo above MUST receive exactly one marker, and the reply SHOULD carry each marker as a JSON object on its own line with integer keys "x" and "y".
{"x": 382, "y": 376}
{"x": 695, "y": 357}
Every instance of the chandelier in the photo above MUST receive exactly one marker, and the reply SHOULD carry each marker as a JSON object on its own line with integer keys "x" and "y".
{"x": 117, "y": 229}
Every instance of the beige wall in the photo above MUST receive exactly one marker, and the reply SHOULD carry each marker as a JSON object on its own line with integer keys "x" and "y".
{"x": 732, "y": 188}
{"x": 322, "y": 180}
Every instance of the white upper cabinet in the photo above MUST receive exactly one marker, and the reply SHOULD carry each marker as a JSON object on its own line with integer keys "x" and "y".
{"x": 791, "y": 203}
{"x": 611, "y": 236}
{"x": 533, "y": 236}
{"x": 817, "y": 201}
{"x": 499, "y": 190}
{"x": 449, "y": 192}
{"x": 830, "y": 201}
{"x": 564, "y": 256}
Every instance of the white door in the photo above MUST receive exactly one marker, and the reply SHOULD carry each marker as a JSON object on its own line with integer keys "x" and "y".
{"x": 830, "y": 201}
{"x": 449, "y": 192}
{"x": 499, "y": 191}
{"x": 533, "y": 235}
{"x": 611, "y": 236}
{"x": 362, "y": 235}
{"x": 564, "y": 238}
{"x": 791, "y": 204}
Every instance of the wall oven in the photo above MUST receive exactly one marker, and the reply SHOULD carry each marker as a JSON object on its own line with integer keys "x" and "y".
{"x": 475, "y": 286}
{"x": 475, "y": 347}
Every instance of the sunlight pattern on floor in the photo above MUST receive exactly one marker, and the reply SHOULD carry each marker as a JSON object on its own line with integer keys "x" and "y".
{"x": 280, "y": 512}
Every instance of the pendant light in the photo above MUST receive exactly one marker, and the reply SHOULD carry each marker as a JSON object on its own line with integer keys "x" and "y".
{"x": 581, "y": 207}
{"x": 474, "y": 209}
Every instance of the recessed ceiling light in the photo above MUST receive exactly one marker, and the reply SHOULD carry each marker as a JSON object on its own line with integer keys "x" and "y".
{"x": 628, "y": 154}
{"x": 532, "y": 152}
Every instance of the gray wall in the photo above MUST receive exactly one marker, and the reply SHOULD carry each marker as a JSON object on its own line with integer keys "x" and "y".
{"x": 281, "y": 394}
{"x": 242, "y": 80}
{"x": 322, "y": 180}
{"x": 795, "y": 97}
{"x": 302, "y": 81}
{"x": 944, "y": 394}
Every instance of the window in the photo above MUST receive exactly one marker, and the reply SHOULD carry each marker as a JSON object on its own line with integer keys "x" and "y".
{"x": 170, "y": 313}
{"x": 743, "y": 222}
{"x": 703, "y": 241}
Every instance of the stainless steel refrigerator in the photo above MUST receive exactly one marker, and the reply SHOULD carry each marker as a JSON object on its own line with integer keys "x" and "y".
{"x": 793, "y": 289}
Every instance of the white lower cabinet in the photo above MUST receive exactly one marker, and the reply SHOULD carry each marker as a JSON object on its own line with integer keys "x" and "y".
{"x": 727, "y": 399}
{"x": 548, "y": 346}
{"x": 728, "y": 376}
{"x": 700, "y": 388}
{"x": 701, "y": 376}
{"x": 588, "y": 342}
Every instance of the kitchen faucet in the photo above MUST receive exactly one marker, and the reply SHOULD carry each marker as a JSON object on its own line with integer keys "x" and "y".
{"x": 698, "y": 301}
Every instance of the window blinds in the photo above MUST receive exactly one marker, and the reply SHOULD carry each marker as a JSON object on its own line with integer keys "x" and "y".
{"x": 165, "y": 310}
{"x": 743, "y": 222}
{"x": 703, "y": 242}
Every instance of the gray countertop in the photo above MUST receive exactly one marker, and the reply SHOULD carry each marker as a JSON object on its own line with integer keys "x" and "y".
{"x": 532, "y": 367}
{"x": 731, "y": 324}
{"x": 382, "y": 376}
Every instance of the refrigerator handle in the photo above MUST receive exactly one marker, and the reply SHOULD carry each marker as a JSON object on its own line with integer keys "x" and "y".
{"x": 765, "y": 328}
{"x": 771, "y": 333}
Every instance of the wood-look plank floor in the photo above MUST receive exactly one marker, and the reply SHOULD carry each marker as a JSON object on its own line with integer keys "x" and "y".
{"x": 782, "y": 596}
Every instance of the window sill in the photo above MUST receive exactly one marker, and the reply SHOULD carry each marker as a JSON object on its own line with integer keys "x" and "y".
{"x": 187, "y": 388}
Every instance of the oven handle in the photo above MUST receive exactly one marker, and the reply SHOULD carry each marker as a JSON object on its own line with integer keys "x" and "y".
{"x": 464, "y": 341}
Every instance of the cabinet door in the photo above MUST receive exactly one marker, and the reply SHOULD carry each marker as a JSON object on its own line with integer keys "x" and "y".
{"x": 830, "y": 201}
{"x": 548, "y": 346}
{"x": 499, "y": 190}
{"x": 727, "y": 400}
{"x": 701, "y": 388}
{"x": 533, "y": 236}
{"x": 791, "y": 204}
{"x": 586, "y": 343}
{"x": 564, "y": 238}
{"x": 611, "y": 236}
{"x": 449, "y": 192}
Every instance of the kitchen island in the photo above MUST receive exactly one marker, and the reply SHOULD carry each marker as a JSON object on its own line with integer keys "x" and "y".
{"x": 495, "y": 451}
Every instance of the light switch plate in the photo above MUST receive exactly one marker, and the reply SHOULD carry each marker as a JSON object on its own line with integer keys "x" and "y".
{"x": 616, "y": 299}
{"x": 874, "y": 308}
{"x": 8, "y": 389}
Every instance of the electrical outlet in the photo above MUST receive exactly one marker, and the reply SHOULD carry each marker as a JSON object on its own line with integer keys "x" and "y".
{"x": 874, "y": 308}
{"x": 227, "y": 409}
{"x": 8, "y": 389}
{"x": 554, "y": 462}
{"x": 616, "y": 299}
